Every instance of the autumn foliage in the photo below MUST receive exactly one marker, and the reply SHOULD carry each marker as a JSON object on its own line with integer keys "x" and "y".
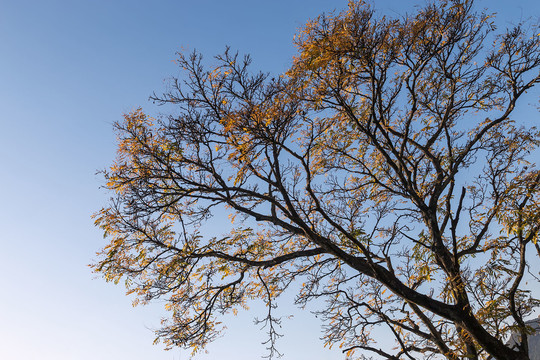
{"x": 384, "y": 175}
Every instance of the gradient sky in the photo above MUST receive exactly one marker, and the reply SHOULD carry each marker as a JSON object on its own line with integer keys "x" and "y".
{"x": 68, "y": 70}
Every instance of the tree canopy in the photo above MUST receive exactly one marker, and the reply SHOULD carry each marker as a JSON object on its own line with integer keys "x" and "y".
{"x": 384, "y": 175}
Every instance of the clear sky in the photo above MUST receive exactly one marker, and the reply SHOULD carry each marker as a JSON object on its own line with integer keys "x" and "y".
{"x": 68, "y": 70}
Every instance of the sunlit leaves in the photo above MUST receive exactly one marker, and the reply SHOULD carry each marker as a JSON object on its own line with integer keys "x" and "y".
{"x": 383, "y": 173}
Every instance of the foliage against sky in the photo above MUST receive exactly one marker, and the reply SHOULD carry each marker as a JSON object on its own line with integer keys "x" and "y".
{"x": 357, "y": 173}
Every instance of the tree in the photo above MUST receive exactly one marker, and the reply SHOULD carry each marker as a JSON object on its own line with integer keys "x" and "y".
{"x": 384, "y": 173}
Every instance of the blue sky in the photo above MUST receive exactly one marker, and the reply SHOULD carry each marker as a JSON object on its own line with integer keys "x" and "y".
{"x": 68, "y": 70}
